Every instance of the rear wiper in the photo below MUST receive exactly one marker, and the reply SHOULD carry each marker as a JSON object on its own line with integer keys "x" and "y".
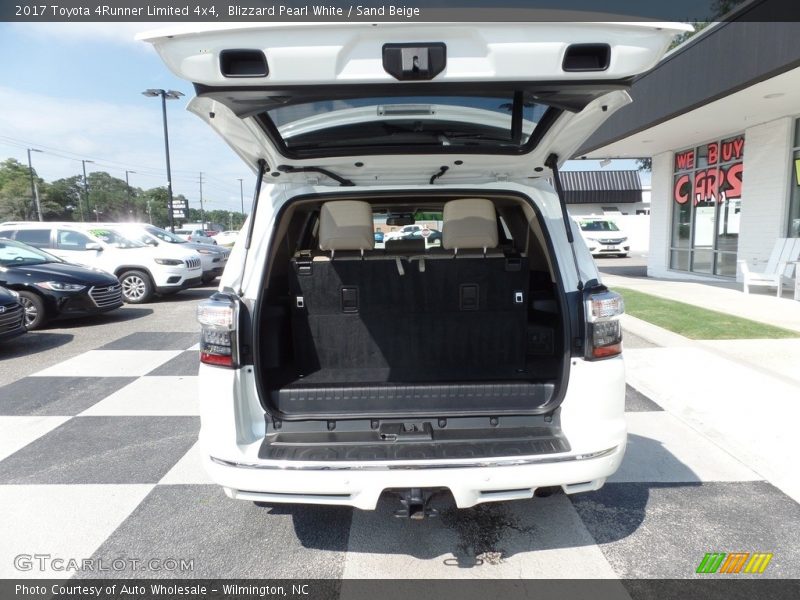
{"x": 290, "y": 169}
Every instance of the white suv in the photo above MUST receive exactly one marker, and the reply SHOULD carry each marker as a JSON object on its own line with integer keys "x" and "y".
{"x": 213, "y": 258}
{"x": 486, "y": 368}
{"x": 142, "y": 270}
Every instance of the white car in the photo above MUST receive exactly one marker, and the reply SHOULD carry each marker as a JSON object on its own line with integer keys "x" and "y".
{"x": 399, "y": 234}
{"x": 603, "y": 236}
{"x": 488, "y": 367}
{"x": 226, "y": 238}
{"x": 213, "y": 258}
{"x": 142, "y": 270}
{"x": 195, "y": 235}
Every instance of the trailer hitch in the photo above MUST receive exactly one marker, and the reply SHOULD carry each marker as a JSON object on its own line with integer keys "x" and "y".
{"x": 415, "y": 504}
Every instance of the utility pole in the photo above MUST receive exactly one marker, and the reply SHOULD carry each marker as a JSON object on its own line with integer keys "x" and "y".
{"x": 128, "y": 189}
{"x": 86, "y": 189}
{"x": 241, "y": 193}
{"x": 34, "y": 195}
{"x": 172, "y": 95}
{"x": 202, "y": 219}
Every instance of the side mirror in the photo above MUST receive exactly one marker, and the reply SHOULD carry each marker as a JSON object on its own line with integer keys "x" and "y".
{"x": 93, "y": 246}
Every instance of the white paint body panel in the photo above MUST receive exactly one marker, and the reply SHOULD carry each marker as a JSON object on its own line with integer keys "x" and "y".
{"x": 349, "y": 54}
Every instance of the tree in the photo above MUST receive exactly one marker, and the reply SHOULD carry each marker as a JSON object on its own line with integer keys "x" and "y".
{"x": 64, "y": 199}
{"x": 645, "y": 164}
{"x": 719, "y": 8}
{"x": 16, "y": 202}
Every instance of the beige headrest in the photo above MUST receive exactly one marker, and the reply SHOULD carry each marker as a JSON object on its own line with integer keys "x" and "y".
{"x": 469, "y": 224}
{"x": 346, "y": 225}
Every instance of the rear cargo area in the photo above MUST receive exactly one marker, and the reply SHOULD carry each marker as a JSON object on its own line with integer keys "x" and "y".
{"x": 468, "y": 324}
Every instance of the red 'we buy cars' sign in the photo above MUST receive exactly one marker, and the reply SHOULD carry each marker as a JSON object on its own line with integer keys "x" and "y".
{"x": 719, "y": 180}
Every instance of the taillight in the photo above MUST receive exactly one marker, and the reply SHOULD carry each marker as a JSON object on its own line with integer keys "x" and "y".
{"x": 218, "y": 317}
{"x": 603, "y": 329}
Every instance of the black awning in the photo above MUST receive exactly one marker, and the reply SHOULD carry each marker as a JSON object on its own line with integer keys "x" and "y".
{"x": 601, "y": 187}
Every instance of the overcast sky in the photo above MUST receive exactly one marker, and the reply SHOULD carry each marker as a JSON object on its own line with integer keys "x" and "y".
{"x": 73, "y": 90}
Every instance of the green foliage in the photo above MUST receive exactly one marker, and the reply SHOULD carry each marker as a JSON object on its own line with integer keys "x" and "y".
{"x": 719, "y": 8}
{"x": 109, "y": 199}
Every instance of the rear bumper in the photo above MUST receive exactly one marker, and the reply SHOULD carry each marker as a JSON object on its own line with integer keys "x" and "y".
{"x": 361, "y": 487}
{"x": 592, "y": 418}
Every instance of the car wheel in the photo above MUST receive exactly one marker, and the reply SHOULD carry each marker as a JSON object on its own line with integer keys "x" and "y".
{"x": 623, "y": 255}
{"x": 33, "y": 305}
{"x": 136, "y": 287}
{"x": 209, "y": 278}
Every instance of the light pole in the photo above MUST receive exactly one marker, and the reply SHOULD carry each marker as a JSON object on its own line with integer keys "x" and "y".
{"x": 172, "y": 95}
{"x": 86, "y": 189}
{"x": 202, "y": 218}
{"x": 128, "y": 189}
{"x": 34, "y": 195}
{"x": 241, "y": 194}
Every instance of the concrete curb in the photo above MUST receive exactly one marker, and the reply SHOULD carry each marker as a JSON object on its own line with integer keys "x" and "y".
{"x": 653, "y": 333}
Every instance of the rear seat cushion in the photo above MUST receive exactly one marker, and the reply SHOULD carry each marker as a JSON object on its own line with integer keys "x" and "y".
{"x": 469, "y": 223}
{"x": 346, "y": 225}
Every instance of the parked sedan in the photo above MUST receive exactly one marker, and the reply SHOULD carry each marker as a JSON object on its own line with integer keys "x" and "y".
{"x": 50, "y": 288}
{"x": 12, "y": 317}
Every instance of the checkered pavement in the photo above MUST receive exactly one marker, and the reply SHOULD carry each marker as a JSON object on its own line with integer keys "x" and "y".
{"x": 98, "y": 458}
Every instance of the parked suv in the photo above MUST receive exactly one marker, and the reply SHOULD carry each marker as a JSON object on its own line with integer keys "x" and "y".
{"x": 213, "y": 258}
{"x": 142, "y": 270}
{"x": 486, "y": 368}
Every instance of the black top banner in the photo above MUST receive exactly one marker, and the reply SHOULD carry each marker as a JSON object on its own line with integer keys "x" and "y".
{"x": 256, "y": 11}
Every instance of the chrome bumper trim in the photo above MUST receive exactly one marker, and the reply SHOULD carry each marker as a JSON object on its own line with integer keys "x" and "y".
{"x": 499, "y": 462}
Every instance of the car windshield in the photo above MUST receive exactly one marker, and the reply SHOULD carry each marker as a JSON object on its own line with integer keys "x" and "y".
{"x": 114, "y": 238}
{"x": 17, "y": 254}
{"x": 165, "y": 235}
{"x": 599, "y": 226}
{"x": 446, "y": 123}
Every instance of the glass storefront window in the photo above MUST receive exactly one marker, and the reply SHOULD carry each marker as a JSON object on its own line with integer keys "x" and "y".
{"x": 707, "y": 197}
{"x": 793, "y": 229}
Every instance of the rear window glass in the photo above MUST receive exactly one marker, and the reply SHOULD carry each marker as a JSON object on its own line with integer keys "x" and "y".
{"x": 450, "y": 123}
{"x": 427, "y": 226}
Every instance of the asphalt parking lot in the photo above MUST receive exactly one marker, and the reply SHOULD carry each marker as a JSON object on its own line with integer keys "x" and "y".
{"x": 98, "y": 459}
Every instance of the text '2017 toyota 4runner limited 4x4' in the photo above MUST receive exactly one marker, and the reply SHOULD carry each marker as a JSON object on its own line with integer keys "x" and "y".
{"x": 486, "y": 366}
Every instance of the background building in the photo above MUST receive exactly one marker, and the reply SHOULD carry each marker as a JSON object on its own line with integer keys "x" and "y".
{"x": 719, "y": 117}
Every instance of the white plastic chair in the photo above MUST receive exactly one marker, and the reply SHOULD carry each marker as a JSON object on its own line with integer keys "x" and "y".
{"x": 779, "y": 267}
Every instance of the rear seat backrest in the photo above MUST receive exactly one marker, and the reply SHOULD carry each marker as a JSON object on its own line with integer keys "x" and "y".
{"x": 468, "y": 314}
{"x": 469, "y": 224}
{"x": 346, "y": 225}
